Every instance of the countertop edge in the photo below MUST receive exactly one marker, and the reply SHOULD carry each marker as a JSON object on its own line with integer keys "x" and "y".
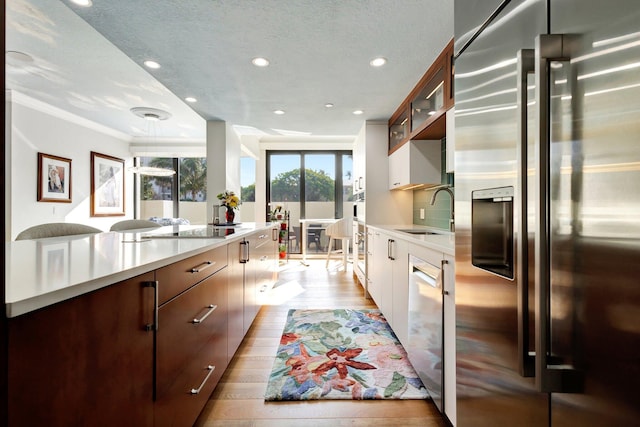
{"x": 23, "y": 306}
{"x": 443, "y": 242}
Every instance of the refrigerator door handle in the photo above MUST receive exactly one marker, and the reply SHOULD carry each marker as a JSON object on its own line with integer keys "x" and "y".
{"x": 526, "y": 360}
{"x": 549, "y": 377}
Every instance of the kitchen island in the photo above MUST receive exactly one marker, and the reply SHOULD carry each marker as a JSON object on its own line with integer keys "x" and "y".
{"x": 129, "y": 328}
{"x": 42, "y": 272}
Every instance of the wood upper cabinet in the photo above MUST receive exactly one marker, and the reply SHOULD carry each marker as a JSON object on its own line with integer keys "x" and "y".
{"x": 422, "y": 113}
{"x": 85, "y": 361}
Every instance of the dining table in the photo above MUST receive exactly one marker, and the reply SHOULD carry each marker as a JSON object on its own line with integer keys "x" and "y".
{"x": 311, "y": 224}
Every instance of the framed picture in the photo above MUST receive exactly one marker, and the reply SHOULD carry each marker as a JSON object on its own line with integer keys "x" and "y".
{"x": 54, "y": 179}
{"x": 107, "y": 185}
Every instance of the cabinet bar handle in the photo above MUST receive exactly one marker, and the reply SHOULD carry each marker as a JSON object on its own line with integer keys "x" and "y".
{"x": 211, "y": 308}
{"x": 153, "y": 284}
{"x": 199, "y": 389}
{"x": 244, "y": 252}
{"x": 203, "y": 266}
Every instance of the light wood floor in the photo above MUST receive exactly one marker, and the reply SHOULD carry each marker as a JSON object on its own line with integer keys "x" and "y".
{"x": 239, "y": 397}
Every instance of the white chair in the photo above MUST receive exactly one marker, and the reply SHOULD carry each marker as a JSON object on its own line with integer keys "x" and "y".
{"x": 341, "y": 229}
{"x": 134, "y": 224}
{"x": 56, "y": 229}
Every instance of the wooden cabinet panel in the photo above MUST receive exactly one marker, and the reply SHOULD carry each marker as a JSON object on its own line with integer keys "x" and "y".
{"x": 250, "y": 301}
{"x": 186, "y": 324}
{"x": 265, "y": 255}
{"x": 422, "y": 113}
{"x": 235, "y": 300}
{"x": 180, "y": 276}
{"x": 85, "y": 361}
{"x": 188, "y": 394}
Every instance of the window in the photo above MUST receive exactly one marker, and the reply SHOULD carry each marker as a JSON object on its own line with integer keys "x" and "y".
{"x": 310, "y": 184}
{"x": 183, "y": 195}
{"x": 247, "y": 189}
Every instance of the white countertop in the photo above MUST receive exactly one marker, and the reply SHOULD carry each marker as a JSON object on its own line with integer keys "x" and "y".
{"x": 46, "y": 271}
{"x": 443, "y": 241}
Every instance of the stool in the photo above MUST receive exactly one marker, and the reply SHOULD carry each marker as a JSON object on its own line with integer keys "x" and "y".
{"x": 343, "y": 230}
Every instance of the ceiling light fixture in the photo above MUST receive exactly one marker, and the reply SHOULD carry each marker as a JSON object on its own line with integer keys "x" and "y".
{"x": 190, "y": 99}
{"x": 260, "y": 62}
{"x": 278, "y": 112}
{"x": 358, "y": 112}
{"x": 84, "y": 3}
{"x": 328, "y": 105}
{"x": 378, "y": 62}
{"x": 151, "y": 64}
{"x": 151, "y": 115}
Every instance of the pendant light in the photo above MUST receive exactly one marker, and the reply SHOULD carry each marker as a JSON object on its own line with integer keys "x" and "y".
{"x": 151, "y": 115}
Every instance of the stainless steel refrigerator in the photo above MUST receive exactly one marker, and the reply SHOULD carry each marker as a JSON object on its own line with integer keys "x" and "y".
{"x": 547, "y": 171}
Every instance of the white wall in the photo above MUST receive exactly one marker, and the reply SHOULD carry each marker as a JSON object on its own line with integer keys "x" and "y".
{"x": 281, "y": 142}
{"x": 30, "y": 132}
{"x": 223, "y": 163}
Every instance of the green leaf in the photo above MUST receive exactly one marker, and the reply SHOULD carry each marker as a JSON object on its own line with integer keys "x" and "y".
{"x": 397, "y": 383}
{"x": 360, "y": 379}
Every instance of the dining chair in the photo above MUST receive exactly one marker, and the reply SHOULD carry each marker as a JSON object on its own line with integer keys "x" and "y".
{"x": 313, "y": 236}
{"x": 133, "y": 224}
{"x": 55, "y": 229}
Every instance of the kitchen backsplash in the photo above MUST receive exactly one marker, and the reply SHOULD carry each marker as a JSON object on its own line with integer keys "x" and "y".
{"x": 437, "y": 215}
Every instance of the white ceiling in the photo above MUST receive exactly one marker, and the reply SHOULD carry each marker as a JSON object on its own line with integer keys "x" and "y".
{"x": 88, "y": 61}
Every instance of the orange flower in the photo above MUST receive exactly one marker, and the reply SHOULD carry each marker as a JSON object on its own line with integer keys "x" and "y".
{"x": 340, "y": 360}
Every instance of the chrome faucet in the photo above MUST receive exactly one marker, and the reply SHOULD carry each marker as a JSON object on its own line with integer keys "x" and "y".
{"x": 452, "y": 226}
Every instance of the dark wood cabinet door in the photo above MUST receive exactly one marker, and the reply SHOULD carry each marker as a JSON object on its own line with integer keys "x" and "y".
{"x": 85, "y": 361}
{"x": 235, "y": 300}
{"x": 191, "y": 350}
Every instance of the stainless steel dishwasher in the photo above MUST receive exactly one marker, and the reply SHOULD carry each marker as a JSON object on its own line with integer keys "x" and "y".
{"x": 426, "y": 315}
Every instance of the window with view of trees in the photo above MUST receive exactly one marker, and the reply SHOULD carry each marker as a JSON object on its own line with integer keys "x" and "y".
{"x": 182, "y": 195}
{"x": 309, "y": 184}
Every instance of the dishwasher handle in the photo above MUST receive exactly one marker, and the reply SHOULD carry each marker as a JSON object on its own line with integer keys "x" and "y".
{"x": 426, "y": 271}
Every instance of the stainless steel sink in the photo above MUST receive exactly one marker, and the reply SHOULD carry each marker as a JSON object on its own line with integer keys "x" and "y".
{"x": 414, "y": 231}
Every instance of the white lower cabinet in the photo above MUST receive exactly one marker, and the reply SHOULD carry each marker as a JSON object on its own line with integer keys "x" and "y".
{"x": 400, "y": 286}
{"x": 388, "y": 279}
{"x": 388, "y": 263}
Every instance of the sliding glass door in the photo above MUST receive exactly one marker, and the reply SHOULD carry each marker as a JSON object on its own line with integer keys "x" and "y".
{"x": 309, "y": 185}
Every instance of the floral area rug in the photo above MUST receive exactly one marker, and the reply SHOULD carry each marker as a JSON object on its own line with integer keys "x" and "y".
{"x": 341, "y": 354}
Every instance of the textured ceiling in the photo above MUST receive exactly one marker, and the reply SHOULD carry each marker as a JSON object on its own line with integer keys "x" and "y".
{"x": 319, "y": 52}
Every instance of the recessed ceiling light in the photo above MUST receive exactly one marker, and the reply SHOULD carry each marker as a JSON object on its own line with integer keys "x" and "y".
{"x": 278, "y": 112}
{"x": 378, "y": 62}
{"x": 358, "y": 112}
{"x": 328, "y": 105}
{"x": 151, "y": 64}
{"x": 85, "y": 3}
{"x": 260, "y": 62}
{"x": 190, "y": 99}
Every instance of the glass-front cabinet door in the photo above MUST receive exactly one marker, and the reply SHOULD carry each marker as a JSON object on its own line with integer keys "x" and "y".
{"x": 429, "y": 101}
{"x": 399, "y": 130}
